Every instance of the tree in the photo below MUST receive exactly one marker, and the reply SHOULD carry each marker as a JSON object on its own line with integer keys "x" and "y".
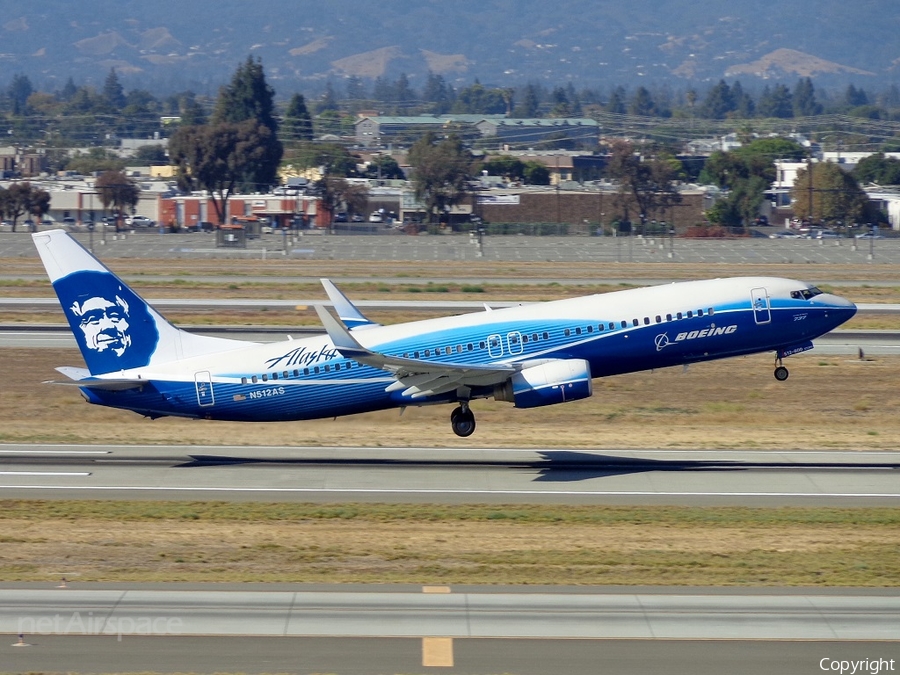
{"x": 829, "y": 195}
{"x": 337, "y": 192}
{"x": 384, "y": 167}
{"x": 24, "y": 198}
{"x": 719, "y": 102}
{"x": 479, "y": 100}
{"x": 511, "y": 168}
{"x": 356, "y": 91}
{"x": 756, "y": 158}
{"x": 221, "y": 157}
{"x": 529, "y": 103}
{"x": 646, "y": 184}
{"x": 805, "y": 104}
{"x": 297, "y": 123}
{"x": 438, "y": 93}
{"x": 19, "y": 90}
{"x": 247, "y": 97}
{"x": 741, "y": 206}
{"x": 96, "y": 159}
{"x": 535, "y": 173}
{"x": 642, "y": 104}
{"x": 616, "y": 102}
{"x": 118, "y": 192}
{"x": 776, "y": 102}
{"x": 113, "y": 93}
{"x": 440, "y": 171}
{"x": 878, "y": 169}
{"x": 331, "y": 159}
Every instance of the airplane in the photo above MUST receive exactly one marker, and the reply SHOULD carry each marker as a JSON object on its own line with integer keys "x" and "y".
{"x": 531, "y": 355}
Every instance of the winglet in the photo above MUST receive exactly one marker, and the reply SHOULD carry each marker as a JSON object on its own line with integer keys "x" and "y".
{"x": 345, "y": 343}
{"x": 346, "y": 310}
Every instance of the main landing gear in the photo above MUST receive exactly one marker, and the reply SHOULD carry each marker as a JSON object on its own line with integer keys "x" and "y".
{"x": 781, "y": 373}
{"x": 462, "y": 420}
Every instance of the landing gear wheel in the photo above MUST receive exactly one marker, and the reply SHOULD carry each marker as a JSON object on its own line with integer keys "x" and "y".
{"x": 462, "y": 421}
{"x": 781, "y": 373}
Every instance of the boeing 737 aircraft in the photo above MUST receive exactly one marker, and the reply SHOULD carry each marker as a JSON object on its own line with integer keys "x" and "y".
{"x": 530, "y": 355}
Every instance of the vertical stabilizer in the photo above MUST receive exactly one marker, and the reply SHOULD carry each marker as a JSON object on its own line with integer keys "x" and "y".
{"x": 114, "y": 327}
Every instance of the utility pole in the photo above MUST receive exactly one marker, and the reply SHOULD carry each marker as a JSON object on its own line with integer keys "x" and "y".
{"x": 809, "y": 171}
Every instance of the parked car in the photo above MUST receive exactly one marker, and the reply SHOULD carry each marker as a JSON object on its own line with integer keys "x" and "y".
{"x": 869, "y": 235}
{"x": 139, "y": 221}
{"x": 823, "y": 234}
{"x": 357, "y": 218}
{"x": 376, "y": 217}
{"x": 785, "y": 234}
{"x": 340, "y": 217}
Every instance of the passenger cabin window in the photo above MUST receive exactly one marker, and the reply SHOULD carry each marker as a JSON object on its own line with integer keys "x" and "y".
{"x": 690, "y": 314}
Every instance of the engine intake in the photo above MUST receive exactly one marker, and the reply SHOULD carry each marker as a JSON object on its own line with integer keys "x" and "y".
{"x": 548, "y": 383}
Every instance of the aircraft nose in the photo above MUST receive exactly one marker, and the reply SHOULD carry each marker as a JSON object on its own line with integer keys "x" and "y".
{"x": 840, "y": 309}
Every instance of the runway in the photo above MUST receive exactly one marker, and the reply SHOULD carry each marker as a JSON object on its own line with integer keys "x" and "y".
{"x": 680, "y": 615}
{"x": 451, "y": 475}
{"x": 457, "y": 630}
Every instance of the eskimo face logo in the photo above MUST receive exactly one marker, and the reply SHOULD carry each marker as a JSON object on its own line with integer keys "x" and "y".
{"x": 114, "y": 327}
{"x": 104, "y": 323}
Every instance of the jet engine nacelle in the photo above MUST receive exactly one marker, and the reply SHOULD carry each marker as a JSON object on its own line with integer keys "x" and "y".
{"x": 551, "y": 382}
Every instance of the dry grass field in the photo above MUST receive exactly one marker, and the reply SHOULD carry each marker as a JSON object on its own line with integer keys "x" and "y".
{"x": 829, "y": 402}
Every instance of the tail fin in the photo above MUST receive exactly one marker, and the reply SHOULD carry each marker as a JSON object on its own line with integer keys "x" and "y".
{"x": 114, "y": 327}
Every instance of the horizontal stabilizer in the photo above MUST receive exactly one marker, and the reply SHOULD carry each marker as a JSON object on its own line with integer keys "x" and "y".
{"x": 81, "y": 377}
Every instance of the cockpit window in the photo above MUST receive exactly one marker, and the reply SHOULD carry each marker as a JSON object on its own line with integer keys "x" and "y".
{"x": 806, "y": 293}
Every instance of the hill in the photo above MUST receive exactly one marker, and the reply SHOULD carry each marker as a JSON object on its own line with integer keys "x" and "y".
{"x": 172, "y": 45}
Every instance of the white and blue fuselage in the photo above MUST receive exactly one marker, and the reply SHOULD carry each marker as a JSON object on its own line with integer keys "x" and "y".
{"x": 531, "y": 355}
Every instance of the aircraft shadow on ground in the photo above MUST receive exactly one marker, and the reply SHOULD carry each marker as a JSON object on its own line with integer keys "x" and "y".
{"x": 556, "y": 466}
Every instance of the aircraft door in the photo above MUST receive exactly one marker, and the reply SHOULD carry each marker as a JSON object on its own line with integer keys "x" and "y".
{"x": 495, "y": 346}
{"x": 760, "y": 299}
{"x": 514, "y": 342}
{"x": 203, "y": 383}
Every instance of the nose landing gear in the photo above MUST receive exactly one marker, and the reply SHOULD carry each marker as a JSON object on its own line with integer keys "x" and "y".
{"x": 781, "y": 373}
{"x": 462, "y": 420}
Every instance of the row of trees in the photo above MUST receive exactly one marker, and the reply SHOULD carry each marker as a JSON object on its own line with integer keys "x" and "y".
{"x": 239, "y": 147}
{"x": 84, "y": 115}
{"x": 115, "y": 190}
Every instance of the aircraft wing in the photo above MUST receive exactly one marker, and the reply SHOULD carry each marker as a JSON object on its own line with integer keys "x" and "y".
{"x": 346, "y": 310}
{"x": 417, "y": 378}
